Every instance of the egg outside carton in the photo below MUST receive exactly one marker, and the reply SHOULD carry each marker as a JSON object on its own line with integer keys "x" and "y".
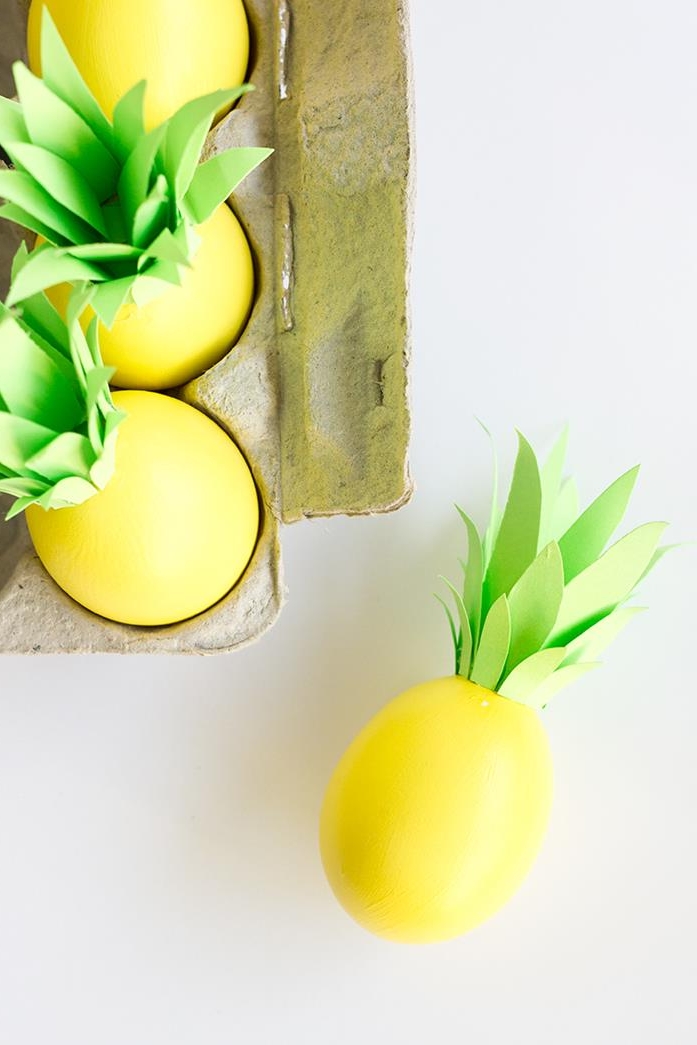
{"x": 315, "y": 393}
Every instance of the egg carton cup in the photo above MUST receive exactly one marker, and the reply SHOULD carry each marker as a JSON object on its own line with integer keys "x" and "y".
{"x": 315, "y": 393}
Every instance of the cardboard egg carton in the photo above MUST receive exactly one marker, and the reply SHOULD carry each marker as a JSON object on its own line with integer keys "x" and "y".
{"x": 315, "y": 393}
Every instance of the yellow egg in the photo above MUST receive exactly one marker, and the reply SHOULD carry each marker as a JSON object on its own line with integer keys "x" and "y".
{"x": 436, "y": 811}
{"x": 186, "y": 329}
{"x": 172, "y": 531}
{"x": 183, "y": 48}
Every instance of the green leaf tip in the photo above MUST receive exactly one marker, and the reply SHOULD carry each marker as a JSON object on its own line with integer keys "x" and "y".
{"x": 84, "y": 182}
{"x": 58, "y": 422}
{"x": 545, "y": 589}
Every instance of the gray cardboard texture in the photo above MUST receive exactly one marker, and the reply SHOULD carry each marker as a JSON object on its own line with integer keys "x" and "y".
{"x": 315, "y": 393}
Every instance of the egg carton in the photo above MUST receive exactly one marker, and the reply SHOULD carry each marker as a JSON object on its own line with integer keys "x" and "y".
{"x": 315, "y": 393}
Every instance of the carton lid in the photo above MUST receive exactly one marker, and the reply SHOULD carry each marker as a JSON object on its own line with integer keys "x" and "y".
{"x": 336, "y": 104}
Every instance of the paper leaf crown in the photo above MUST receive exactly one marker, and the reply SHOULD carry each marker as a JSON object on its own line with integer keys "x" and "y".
{"x": 58, "y": 423}
{"x": 117, "y": 206}
{"x": 541, "y": 598}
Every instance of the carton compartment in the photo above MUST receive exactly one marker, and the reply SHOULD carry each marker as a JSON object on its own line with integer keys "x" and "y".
{"x": 315, "y": 393}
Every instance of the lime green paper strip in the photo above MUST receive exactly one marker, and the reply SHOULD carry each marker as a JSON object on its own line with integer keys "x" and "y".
{"x": 516, "y": 543}
{"x": 58, "y": 423}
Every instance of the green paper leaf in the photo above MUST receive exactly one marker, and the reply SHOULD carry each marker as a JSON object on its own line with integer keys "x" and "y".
{"x": 44, "y": 320}
{"x": 19, "y": 487}
{"x": 530, "y": 674}
{"x": 103, "y": 468}
{"x": 186, "y": 135}
{"x": 62, "y": 76}
{"x": 53, "y": 124}
{"x": 109, "y": 298}
{"x": 566, "y": 509}
{"x": 490, "y": 658}
{"x": 49, "y": 394}
{"x": 464, "y": 637}
{"x": 138, "y": 174}
{"x": 129, "y": 119}
{"x": 607, "y": 582}
{"x": 102, "y": 253}
{"x": 550, "y": 480}
{"x": 112, "y": 421}
{"x": 12, "y": 125}
{"x": 31, "y": 384}
{"x": 534, "y": 603}
{"x": 590, "y": 644}
{"x": 516, "y": 543}
{"x": 153, "y": 285}
{"x": 151, "y": 217}
{"x": 20, "y": 188}
{"x": 656, "y": 558}
{"x": 453, "y": 629}
{"x": 561, "y": 678}
{"x": 474, "y": 570}
{"x": 168, "y": 247}
{"x": 47, "y": 267}
{"x": 23, "y": 218}
{"x": 116, "y": 231}
{"x": 584, "y": 541}
{"x": 68, "y": 455}
{"x": 68, "y": 492}
{"x": 61, "y": 181}
{"x": 20, "y": 439}
{"x": 218, "y": 177}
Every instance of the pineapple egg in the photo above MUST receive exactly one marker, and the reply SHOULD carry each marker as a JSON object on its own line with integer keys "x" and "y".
{"x": 183, "y": 48}
{"x": 187, "y": 328}
{"x": 436, "y": 811}
{"x": 172, "y": 531}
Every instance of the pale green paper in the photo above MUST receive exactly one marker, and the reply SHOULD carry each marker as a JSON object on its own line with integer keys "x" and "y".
{"x": 531, "y": 673}
{"x": 516, "y": 543}
{"x": 490, "y": 658}
{"x": 534, "y": 603}
{"x": 18, "y": 216}
{"x": 551, "y": 474}
{"x": 67, "y": 268}
{"x": 129, "y": 123}
{"x": 56, "y": 126}
{"x": 566, "y": 509}
{"x": 89, "y": 185}
{"x": 453, "y": 631}
{"x": 474, "y": 571}
{"x": 464, "y": 636}
{"x": 12, "y": 125}
{"x": 215, "y": 179}
{"x": 23, "y": 191}
{"x": 590, "y": 644}
{"x": 558, "y": 680}
{"x": 542, "y": 632}
{"x": 62, "y": 76}
{"x": 606, "y": 582}
{"x": 186, "y": 135}
{"x": 584, "y": 541}
{"x": 61, "y": 181}
{"x": 58, "y": 423}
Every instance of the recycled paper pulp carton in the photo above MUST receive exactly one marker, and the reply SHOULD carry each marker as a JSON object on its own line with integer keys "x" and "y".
{"x": 315, "y": 392}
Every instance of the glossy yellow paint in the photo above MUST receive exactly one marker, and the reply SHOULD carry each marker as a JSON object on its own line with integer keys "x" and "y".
{"x": 183, "y": 48}
{"x": 187, "y": 328}
{"x": 436, "y": 811}
{"x": 172, "y": 531}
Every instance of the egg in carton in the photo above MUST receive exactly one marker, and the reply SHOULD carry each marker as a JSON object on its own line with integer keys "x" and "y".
{"x": 315, "y": 392}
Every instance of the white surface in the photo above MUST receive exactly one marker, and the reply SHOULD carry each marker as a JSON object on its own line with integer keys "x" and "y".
{"x": 159, "y": 877}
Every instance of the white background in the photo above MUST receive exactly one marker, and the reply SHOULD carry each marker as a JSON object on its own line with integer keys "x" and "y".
{"x": 159, "y": 874}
